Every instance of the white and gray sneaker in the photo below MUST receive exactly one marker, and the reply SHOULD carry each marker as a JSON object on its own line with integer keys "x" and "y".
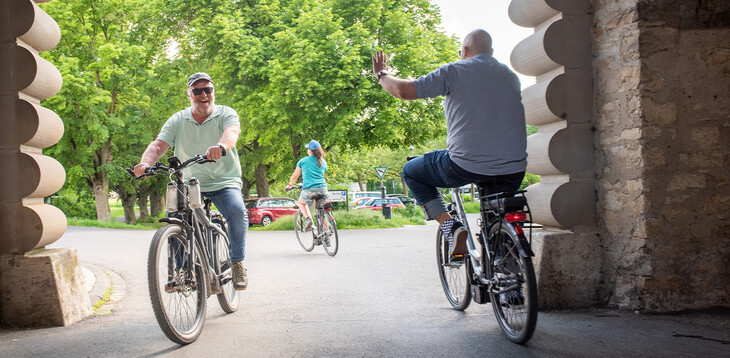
{"x": 455, "y": 232}
{"x": 240, "y": 278}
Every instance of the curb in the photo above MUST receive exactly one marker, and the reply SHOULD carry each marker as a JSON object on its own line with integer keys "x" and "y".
{"x": 105, "y": 287}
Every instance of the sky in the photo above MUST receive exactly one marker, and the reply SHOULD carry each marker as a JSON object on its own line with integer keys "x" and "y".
{"x": 459, "y": 17}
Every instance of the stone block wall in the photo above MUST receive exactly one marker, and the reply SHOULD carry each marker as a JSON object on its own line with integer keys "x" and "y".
{"x": 662, "y": 82}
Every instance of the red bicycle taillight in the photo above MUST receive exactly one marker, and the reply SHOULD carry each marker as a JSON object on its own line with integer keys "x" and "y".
{"x": 516, "y": 217}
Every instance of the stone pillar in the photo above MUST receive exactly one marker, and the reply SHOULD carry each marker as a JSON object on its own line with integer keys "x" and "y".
{"x": 662, "y": 103}
{"x": 43, "y": 288}
{"x": 27, "y": 176}
{"x": 568, "y": 255}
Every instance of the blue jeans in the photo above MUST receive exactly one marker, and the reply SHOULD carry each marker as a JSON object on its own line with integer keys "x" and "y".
{"x": 229, "y": 202}
{"x": 433, "y": 170}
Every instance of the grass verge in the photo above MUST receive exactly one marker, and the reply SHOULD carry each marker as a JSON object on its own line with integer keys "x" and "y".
{"x": 113, "y": 224}
{"x": 358, "y": 219}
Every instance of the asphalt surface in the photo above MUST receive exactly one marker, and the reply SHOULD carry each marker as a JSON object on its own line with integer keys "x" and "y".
{"x": 379, "y": 297}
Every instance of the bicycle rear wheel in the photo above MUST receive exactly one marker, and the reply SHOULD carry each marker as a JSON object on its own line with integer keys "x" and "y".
{"x": 305, "y": 238}
{"x": 514, "y": 297}
{"x": 228, "y": 299}
{"x": 330, "y": 237}
{"x": 178, "y": 296}
{"x": 454, "y": 275}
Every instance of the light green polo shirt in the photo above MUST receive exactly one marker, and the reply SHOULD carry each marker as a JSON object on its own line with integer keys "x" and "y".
{"x": 189, "y": 138}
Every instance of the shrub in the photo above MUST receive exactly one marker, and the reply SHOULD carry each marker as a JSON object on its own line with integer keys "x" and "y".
{"x": 73, "y": 204}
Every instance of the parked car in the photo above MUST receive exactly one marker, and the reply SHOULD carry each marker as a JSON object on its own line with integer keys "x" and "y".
{"x": 263, "y": 211}
{"x": 359, "y": 201}
{"x": 377, "y": 204}
{"x": 364, "y": 194}
{"x": 406, "y": 200}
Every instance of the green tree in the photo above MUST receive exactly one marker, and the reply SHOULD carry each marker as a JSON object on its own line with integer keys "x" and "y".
{"x": 297, "y": 70}
{"x": 105, "y": 61}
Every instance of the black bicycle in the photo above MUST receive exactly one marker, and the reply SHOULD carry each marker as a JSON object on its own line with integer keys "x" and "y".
{"x": 499, "y": 270}
{"x": 324, "y": 226}
{"x": 188, "y": 258}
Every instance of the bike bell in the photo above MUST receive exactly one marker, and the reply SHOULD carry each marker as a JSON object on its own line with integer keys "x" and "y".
{"x": 194, "y": 193}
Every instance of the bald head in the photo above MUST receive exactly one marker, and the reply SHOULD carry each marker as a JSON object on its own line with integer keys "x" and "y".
{"x": 476, "y": 42}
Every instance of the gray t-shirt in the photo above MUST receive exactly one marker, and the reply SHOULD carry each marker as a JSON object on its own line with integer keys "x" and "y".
{"x": 189, "y": 138}
{"x": 485, "y": 119}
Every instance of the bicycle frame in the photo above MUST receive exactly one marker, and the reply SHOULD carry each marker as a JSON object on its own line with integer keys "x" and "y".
{"x": 197, "y": 226}
{"x": 480, "y": 269}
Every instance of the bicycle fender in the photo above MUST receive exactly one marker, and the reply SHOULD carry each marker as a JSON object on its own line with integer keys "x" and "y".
{"x": 523, "y": 246}
{"x": 174, "y": 221}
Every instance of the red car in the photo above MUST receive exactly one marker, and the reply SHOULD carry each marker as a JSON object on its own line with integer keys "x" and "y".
{"x": 376, "y": 204}
{"x": 263, "y": 211}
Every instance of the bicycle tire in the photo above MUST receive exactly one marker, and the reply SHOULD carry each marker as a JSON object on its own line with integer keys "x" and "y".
{"x": 454, "y": 275}
{"x": 180, "y": 314}
{"x": 331, "y": 234}
{"x": 517, "y": 316}
{"x": 229, "y": 297}
{"x": 305, "y": 238}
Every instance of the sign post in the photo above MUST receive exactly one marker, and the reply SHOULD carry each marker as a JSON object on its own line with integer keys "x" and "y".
{"x": 380, "y": 171}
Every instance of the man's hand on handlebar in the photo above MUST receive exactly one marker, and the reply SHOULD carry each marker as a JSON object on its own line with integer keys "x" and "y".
{"x": 215, "y": 152}
{"x": 139, "y": 169}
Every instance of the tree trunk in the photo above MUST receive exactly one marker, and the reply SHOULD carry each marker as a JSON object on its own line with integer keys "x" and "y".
{"x": 405, "y": 187}
{"x": 359, "y": 182}
{"x": 99, "y": 182}
{"x": 142, "y": 196}
{"x": 100, "y": 187}
{"x": 246, "y": 188}
{"x": 157, "y": 203}
{"x": 128, "y": 199}
{"x": 262, "y": 184}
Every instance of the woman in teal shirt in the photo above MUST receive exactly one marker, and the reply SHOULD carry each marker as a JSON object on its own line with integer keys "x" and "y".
{"x": 311, "y": 168}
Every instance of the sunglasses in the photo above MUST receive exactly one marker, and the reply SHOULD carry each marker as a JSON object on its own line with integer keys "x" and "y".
{"x": 199, "y": 91}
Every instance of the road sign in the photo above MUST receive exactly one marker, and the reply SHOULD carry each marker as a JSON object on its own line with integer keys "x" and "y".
{"x": 337, "y": 195}
{"x": 380, "y": 171}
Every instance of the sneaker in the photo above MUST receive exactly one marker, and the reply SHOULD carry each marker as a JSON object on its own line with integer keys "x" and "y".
{"x": 308, "y": 224}
{"x": 455, "y": 232}
{"x": 512, "y": 298}
{"x": 172, "y": 287}
{"x": 327, "y": 241}
{"x": 175, "y": 285}
{"x": 240, "y": 278}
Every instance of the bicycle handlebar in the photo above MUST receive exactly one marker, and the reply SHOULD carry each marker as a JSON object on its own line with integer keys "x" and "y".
{"x": 299, "y": 186}
{"x": 174, "y": 164}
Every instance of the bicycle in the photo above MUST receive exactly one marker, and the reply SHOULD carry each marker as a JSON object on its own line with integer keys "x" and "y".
{"x": 324, "y": 231}
{"x": 188, "y": 259}
{"x": 500, "y": 269}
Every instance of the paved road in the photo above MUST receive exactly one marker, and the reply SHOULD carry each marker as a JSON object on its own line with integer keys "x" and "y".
{"x": 379, "y": 297}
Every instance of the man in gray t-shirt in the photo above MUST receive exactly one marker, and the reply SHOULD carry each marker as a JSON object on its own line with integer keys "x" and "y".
{"x": 485, "y": 123}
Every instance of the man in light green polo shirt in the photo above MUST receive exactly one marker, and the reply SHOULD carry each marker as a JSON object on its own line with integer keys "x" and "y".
{"x": 207, "y": 128}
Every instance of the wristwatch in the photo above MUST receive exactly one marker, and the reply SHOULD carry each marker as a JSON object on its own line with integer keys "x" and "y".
{"x": 382, "y": 73}
{"x": 222, "y": 146}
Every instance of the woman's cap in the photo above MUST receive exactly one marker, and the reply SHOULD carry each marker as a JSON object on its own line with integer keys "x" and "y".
{"x": 313, "y": 145}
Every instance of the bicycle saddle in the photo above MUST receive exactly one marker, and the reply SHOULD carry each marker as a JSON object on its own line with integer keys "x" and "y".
{"x": 318, "y": 196}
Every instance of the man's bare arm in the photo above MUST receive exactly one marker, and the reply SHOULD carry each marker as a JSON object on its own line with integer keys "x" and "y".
{"x": 228, "y": 140}
{"x": 153, "y": 152}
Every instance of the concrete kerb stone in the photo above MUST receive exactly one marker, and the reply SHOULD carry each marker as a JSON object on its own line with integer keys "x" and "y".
{"x": 106, "y": 288}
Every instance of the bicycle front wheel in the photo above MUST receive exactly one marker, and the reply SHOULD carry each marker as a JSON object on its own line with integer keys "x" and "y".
{"x": 454, "y": 275}
{"x": 330, "y": 237}
{"x": 514, "y": 294}
{"x": 229, "y": 297}
{"x": 177, "y": 286}
{"x": 305, "y": 238}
